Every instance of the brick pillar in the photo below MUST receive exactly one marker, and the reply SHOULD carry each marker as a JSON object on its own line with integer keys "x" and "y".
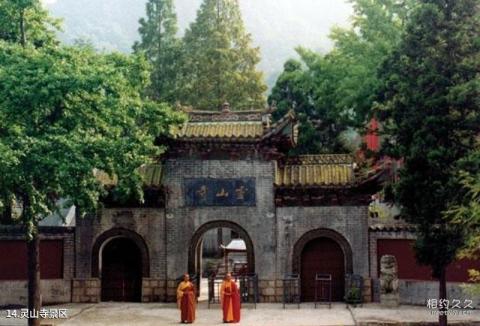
{"x": 367, "y": 290}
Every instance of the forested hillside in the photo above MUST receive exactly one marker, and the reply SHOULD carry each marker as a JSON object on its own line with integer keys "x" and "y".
{"x": 276, "y": 26}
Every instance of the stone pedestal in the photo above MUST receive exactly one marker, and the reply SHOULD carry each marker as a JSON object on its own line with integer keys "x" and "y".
{"x": 389, "y": 295}
{"x": 390, "y": 300}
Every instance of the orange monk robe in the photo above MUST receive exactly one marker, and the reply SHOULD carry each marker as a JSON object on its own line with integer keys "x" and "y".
{"x": 186, "y": 301}
{"x": 230, "y": 299}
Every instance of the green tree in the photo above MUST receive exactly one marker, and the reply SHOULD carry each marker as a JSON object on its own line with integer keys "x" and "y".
{"x": 431, "y": 113}
{"x": 219, "y": 61}
{"x": 296, "y": 89}
{"x": 467, "y": 212}
{"x": 66, "y": 112}
{"x": 377, "y": 26}
{"x": 162, "y": 49}
{"x": 336, "y": 91}
{"x": 25, "y": 21}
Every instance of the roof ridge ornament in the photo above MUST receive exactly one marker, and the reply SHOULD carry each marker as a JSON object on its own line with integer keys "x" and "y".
{"x": 226, "y": 107}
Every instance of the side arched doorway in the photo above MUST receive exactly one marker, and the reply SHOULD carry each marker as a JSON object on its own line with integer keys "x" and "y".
{"x": 322, "y": 251}
{"x": 120, "y": 260}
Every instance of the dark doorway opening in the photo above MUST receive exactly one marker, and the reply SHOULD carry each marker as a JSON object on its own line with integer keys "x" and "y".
{"x": 207, "y": 263}
{"x": 121, "y": 271}
{"x": 322, "y": 255}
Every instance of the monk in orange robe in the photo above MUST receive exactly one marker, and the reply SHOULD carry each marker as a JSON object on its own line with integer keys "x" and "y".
{"x": 230, "y": 299}
{"x": 186, "y": 300}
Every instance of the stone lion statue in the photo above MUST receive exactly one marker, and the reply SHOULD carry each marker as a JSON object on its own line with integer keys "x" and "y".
{"x": 388, "y": 275}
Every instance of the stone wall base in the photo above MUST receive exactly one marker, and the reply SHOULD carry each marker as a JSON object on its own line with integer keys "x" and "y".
{"x": 153, "y": 290}
{"x": 171, "y": 295}
{"x": 86, "y": 290}
{"x": 270, "y": 291}
{"x": 54, "y": 291}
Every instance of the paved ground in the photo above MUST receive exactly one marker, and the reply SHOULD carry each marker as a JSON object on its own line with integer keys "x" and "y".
{"x": 410, "y": 315}
{"x": 160, "y": 314}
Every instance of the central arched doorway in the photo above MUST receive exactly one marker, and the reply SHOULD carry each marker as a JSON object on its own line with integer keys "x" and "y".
{"x": 121, "y": 271}
{"x": 228, "y": 237}
{"x": 322, "y": 251}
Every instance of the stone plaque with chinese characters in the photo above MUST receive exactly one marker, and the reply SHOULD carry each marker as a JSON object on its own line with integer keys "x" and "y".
{"x": 220, "y": 192}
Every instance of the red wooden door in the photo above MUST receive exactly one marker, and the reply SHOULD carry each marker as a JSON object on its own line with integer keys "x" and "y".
{"x": 121, "y": 271}
{"x": 322, "y": 255}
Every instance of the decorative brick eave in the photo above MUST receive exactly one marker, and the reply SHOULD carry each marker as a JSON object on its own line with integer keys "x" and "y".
{"x": 320, "y": 197}
{"x": 226, "y": 114}
{"x": 218, "y": 140}
{"x": 19, "y": 230}
{"x": 379, "y": 227}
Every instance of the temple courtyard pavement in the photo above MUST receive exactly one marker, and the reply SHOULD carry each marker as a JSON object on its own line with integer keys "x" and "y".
{"x": 159, "y": 314}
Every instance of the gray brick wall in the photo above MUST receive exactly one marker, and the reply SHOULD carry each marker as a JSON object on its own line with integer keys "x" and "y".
{"x": 168, "y": 233}
{"x": 349, "y": 221}
{"x": 182, "y": 221}
{"x": 146, "y": 222}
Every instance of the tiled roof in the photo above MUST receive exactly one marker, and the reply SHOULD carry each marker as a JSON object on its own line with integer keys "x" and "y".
{"x": 224, "y": 129}
{"x": 151, "y": 175}
{"x": 316, "y": 170}
{"x": 226, "y": 125}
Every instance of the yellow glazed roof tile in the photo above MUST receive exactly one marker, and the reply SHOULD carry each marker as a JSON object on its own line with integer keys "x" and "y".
{"x": 316, "y": 170}
{"x": 228, "y": 129}
{"x": 151, "y": 175}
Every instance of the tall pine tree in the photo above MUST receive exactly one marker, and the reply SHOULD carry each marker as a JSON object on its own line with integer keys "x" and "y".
{"x": 162, "y": 48}
{"x": 432, "y": 115}
{"x": 25, "y": 21}
{"x": 219, "y": 60}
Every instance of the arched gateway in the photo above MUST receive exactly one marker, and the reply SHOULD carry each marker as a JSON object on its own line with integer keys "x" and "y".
{"x": 194, "y": 250}
{"x": 120, "y": 260}
{"x": 322, "y": 251}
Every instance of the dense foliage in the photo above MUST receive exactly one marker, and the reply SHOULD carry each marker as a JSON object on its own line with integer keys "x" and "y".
{"x": 67, "y": 112}
{"x": 431, "y": 112}
{"x": 335, "y": 92}
{"x": 466, "y": 213}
